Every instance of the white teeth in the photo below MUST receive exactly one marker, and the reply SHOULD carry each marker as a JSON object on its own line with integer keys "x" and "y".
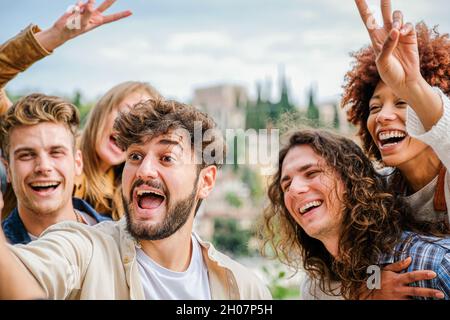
{"x": 141, "y": 192}
{"x": 44, "y": 184}
{"x": 391, "y": 134}
{"x": 309, "y": 205}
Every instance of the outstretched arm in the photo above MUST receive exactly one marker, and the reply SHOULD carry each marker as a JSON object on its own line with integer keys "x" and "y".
{"x": 31, "y": 45}
{"x": 16, "y": 282}
{"x": 396, "y": 47}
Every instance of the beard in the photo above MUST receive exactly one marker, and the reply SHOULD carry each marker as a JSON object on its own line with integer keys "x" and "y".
{"x": 176, "y": 216}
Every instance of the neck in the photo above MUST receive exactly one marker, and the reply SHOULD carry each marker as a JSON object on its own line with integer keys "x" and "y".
{"x": 331, "y": 243}
{"x": 421, "y": 170}
{"x": 173, "y": 253}
{"x": 104, "y": 167}
{"x": 36, "y": 222}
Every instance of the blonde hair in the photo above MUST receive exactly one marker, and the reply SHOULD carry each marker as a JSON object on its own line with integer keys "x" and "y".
{"x": 28, "y": 111}
{"x": 103, "y": 194}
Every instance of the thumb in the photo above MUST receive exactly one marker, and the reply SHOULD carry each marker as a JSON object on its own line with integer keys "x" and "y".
{"x": 398, "y": 266}
{"x": 389, "y": 45}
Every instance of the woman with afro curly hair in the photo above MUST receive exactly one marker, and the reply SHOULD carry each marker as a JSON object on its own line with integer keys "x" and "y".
{"x": 397, "y": 94}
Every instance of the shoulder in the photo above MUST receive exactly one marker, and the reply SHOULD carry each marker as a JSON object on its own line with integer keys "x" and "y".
{"x": 427, "y": 252}
{"x": 250, "y": 286}
{"x": 77, "y": 234}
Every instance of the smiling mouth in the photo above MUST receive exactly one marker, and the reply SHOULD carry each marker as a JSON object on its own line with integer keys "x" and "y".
{"x": 310, "y": 206}
{"x": 147, "y": 199}
{"x": 113, "y": 140}
{"x": 44, "y": 186}
{"x": 391, "y": 138}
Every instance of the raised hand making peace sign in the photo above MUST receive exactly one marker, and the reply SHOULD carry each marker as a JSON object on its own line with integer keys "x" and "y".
{"x": 83, "y": 18}
{"x": 398, "y": 63}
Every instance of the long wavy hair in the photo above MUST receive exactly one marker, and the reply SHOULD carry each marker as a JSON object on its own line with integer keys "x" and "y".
{"x": 373, "y": 218}
{"x": 103, "y": 195}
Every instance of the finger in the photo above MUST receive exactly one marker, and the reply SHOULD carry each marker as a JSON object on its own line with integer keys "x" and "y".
{"x": 397, "y": 20}
{"x": 105, "y": 5}
{"x": 399, "y": 266}
{"x": 87, "y": 14}
{"x": 90, "y": 6}
{"x": 366, "y": 15}
{"x": 386, "y": 10}
{"x": 389, "y": 46}
{"x": 422, "y": 292}
{"x": 414, "y": 276}
{"x": 407, "y": 29}
{"x": 116, "y": 16}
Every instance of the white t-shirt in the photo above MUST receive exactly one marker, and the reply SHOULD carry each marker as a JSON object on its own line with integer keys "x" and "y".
{"x": 160, "y": 283}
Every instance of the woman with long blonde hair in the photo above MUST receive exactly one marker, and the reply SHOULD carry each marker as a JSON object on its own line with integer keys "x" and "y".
{"x": 100, "y": 183}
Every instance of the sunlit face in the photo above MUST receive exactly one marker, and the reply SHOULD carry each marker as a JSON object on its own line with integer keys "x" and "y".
{"x": 387, "y": 126}
{"x": 159, "y": 184}
{"x": 311, "y": 192}
{"x": 42, "y": 167}
{"x": 106, "y": 148}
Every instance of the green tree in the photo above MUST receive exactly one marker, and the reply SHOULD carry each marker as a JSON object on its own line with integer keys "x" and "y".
{"x": 230, "y": 237}
{"x": 312, "y": 112}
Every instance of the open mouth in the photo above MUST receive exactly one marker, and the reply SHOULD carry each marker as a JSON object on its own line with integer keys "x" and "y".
{"x": 44, "y": 187}
{"x": 391, "y": 138}
{"x": 148, "y": 199}
{"x": 310, "y": 206}
{"x": 113, "y": 140}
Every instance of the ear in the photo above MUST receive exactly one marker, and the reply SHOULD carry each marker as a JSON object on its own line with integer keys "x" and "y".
{"x": 206, "y": 181}
{"x": 78, "y": 162}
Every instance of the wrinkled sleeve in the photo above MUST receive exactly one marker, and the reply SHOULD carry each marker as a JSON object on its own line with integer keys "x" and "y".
{"x": 16, "y": 55}
{"x": 438, "y": 137}
{"x": 58, "y": 260}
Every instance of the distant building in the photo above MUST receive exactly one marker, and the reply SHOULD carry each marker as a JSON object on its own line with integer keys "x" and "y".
{"x": 225, "y": 103}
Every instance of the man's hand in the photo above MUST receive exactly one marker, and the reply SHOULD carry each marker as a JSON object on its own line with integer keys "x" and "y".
{"x": 81, "y": 19}
{"x": 395, "y": 285}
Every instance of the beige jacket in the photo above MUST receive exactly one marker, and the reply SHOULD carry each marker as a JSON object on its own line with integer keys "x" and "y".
{"x": 16, "y": 55}
{"x": 74, "y": 261}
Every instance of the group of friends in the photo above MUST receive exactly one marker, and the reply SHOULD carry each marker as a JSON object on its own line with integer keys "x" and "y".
{"x": 108, "y": 213}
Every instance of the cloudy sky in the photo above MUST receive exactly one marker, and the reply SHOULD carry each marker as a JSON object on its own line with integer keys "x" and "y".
{"x": 180, "y": 45}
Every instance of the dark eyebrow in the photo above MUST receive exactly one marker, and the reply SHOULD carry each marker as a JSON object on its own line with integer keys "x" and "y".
{"x": 301, "y": 169}
{"x": 375, "y": 97}
{"x": 170, "y": 142}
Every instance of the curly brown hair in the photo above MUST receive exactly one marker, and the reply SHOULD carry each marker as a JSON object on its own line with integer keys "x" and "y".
{"x": 362, "y": 79}
{"x": 152, "y": 118}
{"x": 373, "y": 218}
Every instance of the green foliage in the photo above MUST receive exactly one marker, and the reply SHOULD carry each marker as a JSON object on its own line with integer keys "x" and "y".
{"x": 336, "y": 121}
{"x": 253, "y": 180}
{"x": 230, "y": 237}
{"x": 233, "y": 199}
{"x": 277, "y": 289}
{"x": 312, "y": 113}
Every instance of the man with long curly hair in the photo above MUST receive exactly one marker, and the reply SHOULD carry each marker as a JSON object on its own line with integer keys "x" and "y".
{"x": 331, "y": 212}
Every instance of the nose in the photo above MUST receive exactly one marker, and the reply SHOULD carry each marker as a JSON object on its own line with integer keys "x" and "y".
{"x": 386, "y": 114}
{"x": 44, "y": 164}
{"x": 298, "y": 186}
{"x": 147, "y": 170}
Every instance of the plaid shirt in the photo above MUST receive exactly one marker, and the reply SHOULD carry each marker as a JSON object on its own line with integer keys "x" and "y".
{"x": 427, "y": 253}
